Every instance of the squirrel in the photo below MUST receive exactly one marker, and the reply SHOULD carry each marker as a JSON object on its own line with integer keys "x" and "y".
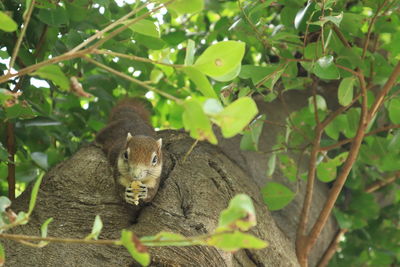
{"x": 135, "y": 155}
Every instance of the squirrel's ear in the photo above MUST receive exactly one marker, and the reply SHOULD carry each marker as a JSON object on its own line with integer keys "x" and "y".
{"x": 159, "y": 143}
{"x": 128, "y": 137}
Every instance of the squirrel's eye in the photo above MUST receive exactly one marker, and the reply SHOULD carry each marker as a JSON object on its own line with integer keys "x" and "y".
{"x": 126, "y": 155}
{"x": 155, "y": 159}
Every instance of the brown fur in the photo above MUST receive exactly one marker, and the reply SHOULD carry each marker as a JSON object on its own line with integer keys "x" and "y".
{"x": 131, "y": 116}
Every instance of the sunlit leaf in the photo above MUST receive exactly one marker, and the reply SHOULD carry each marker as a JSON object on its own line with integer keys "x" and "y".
{"x": 55, "y": 74}
{"x": 201, "y": 81}
{"x": 240, "y": 214}
{"x": 236, "y": 240}
{"x": 4, "y": 203}
{"x": 96, "y": 229}
{"x": 184, "y": 6}
{"x": 145, "y": 27}
{"x": 7, "y": 24}
{"x": 394, "y": 110}
{"x": 135, "y": 247}
{"x": 190, "y": 51}
{"x": 197, "y": 122}
{"x": 326, "y": 69}
{"x": 34, "y": 194}
{"x": 220, "y": 58}
{"x": 232, "y": 119}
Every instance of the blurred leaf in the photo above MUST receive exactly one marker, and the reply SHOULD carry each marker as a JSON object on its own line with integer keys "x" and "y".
{"x": 190, "y": 51}
{"x": 4, "y": 203}
{"x": 19, "y": 111}
{"x": 240, "y": 214}
{"x": 326, "y": 171}
{"x": 55, "y": 17}
{"x": 326, "y": 69}
{"x": 230, "y": 75}
{"x": 168, "y": 239}
{"x": 183, "y": 6}
{"x": 34, "y": 194}
{"x": 220, "y": 58}
{"x": 2, "y": 255}
{"x": 156, "y": 75}
{"x": 55, "y": 74}
{"x": 43, "y": 231}
{"x": 145, "y": 27}
{"x": 7, "y": 24}
{"x": 197, "y": 122}
{"x": 260, "y": 73}
{"x": 40, "y": 159}
{"x": 345, "y": 92}
{"x": 277, "y": 196}
{"x": 135, "y": 247}
{"x": 271, "y": 165}
{"x": 251, "y": 136}
{"x": 232, "y": 119}
{"x": 96, "y": 229}
{"x": 212, "y": 106}
{"x": 301, "y": 15}
{"x": 235, "y": 241}
{"x": 394, "y": 110}
{"x": 201, "y": 81}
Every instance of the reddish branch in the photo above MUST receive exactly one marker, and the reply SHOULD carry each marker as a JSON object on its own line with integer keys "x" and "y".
{"x": 331, "y": 250}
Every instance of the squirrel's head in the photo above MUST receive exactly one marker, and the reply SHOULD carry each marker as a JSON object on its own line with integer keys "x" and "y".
{"x": 141, "y": 158}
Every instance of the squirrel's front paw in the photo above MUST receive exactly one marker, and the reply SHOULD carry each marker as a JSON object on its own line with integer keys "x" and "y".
{"x": 136, "y": 191}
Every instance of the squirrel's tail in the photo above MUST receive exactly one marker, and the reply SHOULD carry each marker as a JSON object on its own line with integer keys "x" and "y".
{"x": 127, "y": 106}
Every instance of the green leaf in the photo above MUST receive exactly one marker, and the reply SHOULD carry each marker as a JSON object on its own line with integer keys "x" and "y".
{"x": 268, "y": 74}
{"x": 232, "y": 119}
{"x": 334, "y": 19}
{"x": 168, "y": 239}
{"x": 271, "y": 165}
{"x": 197, "y": 122}
{"x": 230, "y": 75}
{"x": 145, "y": 27}
{"x": 220, "y": 58}
{"x": 4, "y": 203}
{"x": 301, "y": 14}
{"x": 235, "y": 241}
{"x": 345, "y": 92}
{"x": 55, "y": 17}
{"x": 96, "y": 229}
{"x": 327, "y": 171}
{"x": 135, "y": 247}
{"x": 34, "y": 194}
{"x": 288, "y": 167}
{"x": 251, "y": 136}
{"x": 19, "y": 111}
{"x": 40, "y": 159}
{"x": 190, "y": 51}
{"x": 277, "y": 196}
{"x": 183, "y": 6}
{"x": 43, "y": 228}
{"x": 326, "y": 69}
{"x": 321, "y": 103}
{"x": 201, "y": 81}
{"x": 156, "y": 75}
{"x": 240, "y": 214}
{"x": 7, "y": 24}
{"x": 55, "y": 74}
{"x": 2, "y": 253}
{"x": 394, "y": 110}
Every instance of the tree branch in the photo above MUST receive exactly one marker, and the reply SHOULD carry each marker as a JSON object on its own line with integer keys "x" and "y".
{"x": 21, "y": 36}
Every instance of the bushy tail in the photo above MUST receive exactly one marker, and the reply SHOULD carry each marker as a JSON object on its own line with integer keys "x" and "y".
{"x": 125, "y": 107}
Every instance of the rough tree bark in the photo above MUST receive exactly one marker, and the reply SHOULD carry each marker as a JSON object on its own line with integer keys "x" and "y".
{"x": 190, "y": 198}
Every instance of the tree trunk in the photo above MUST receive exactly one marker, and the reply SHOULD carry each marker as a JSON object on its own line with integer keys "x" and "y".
{"x": 190, "y": 198}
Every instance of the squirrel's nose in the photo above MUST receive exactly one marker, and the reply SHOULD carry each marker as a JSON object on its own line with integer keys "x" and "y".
{"x": 137, "y": 173}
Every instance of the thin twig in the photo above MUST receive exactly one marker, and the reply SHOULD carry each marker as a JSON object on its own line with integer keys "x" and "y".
{"x": 129, "y": 78}
{"x": 135, "y": 58}
{"x": 379, "y": 184}
{"x": 348, "y": 140}
{"x": 190, "y": 150}
{"x": 21, "y": 36}
{"x": 370, "y": 29}
{"x": 385, "y": 89}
